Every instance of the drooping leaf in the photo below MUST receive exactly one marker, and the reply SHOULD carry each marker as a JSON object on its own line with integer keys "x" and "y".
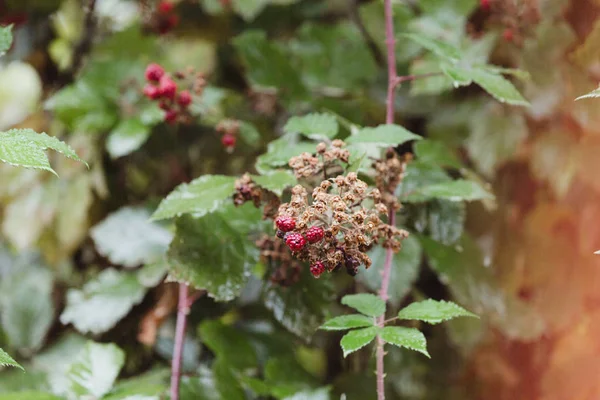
{"x": 365, "y": 303}
{"x": 127, "y": 237}
{"x": 498, "y": 86}
{"x": 276, "y": 181}
{"x": 593, "y": 94}
{"x": 25, "y": 148}
{"x": 128, "y": 136}
{"x": 95, "y": 370}
{"x": 8, "y": 361}
{"x": 409, "y": 338}
{"x": 315, "y": 126}
{"x": 357, "y": 339}
{"x": 458, "y": 190}
{"x": 103, "y": 301}
{"x": 199, "y": 197}
{"x": 344, "y": 322}
{"x": 228, "y": 344}
{"x": 5, "y": 38}
{"x": 434, "y": 312}
{"x": 383, "y": 135}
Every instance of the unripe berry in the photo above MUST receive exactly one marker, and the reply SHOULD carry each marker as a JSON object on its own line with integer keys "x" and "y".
{"x": 165, "y": 7}
{"x": 167, "y": 87}
{"x": 228, "y": 140}
{"x": 154, "y": 72}
{"x": 184, "y": 99}
{"x": 285, "y": 223}
{"x": 317, "y": 269}
{"x": 151, "y": 92}
{"x": 170, "y": 116}
{"x": 295, "y": 241}
{"x": 314, "y": 234}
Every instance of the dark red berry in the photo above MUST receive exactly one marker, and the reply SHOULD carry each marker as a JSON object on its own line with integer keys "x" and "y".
{"x": 167, "y": 87}
{"x": 285, "y": 223}
{"x": 280, "y": 234}
{"x": 314, "y": 234}
{"x": 170, "y": 116}
{"x": 352, "y": 265}
{"x": 184, "y": 99}
{"x": 228, "y": 140}
{"x": 484, "y": 4}
{"x": 508, "y": 35}
{"x": 165, "y": 7}
{"x": 151, "y": 92}
{"x": 164, "y": 105}
{"x": 317, "y": 269}
{"x": 295, "y": 241}
{"x": 154, "y": 72}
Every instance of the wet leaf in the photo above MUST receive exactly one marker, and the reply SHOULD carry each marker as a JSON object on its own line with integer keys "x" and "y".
{"x": 409, "y": 338}
{"x": 344, "y": 322}
{"x": 8, "y": 361}
{"x": 357, "y": 339}
{"x": 434, "y": 312}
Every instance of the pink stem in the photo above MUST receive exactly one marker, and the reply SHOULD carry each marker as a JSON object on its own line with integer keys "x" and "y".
{"x": 183, "y": 310}
{"x": 393, "y": 81}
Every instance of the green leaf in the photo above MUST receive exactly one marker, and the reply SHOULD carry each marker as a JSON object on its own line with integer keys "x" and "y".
{"x": 25, "y": 148}
{"x": 218, "y": 383}
{"x": 344, "y": 322}
{"x": 498, "y": 86}
{"x": 276, "y": 181}
{"x": 284, "y": 375}
{"x": 358, "y": 339}
{"x": 103, "y": 301}
{"x": 29, "y": 395}
{"x": 459, "y": 75}
{"x": 433, "y": 312}
{"x": 365, "y": 303}
{"x": 431, "y": 85}
{"x": 458, "y": 190}
{"x": 209, "y": 253}
{"x": 383, "y": 135}
{"x": 199, "y": 197}
{"x": 439, "y": 48}
{"x": 95, "y": 369}
{"x": 127, "y": 237}
{"x": 279, "y": 152}
{"x": 316, "y": 394}
{"x": 314, "y": 126}
{"x": 249, "y": 134}
{"x": 442, "y": 220}
{"x": 128, "y": 136}
{"x": 409, "y": 338}
{"x": 436, "y": 152}
{"x": 419, "y": 174}
{"x": 8, "y": 361}
{"x": 148, "y": 386}
{"x": 404, "y": 272}
{"x": 5, "y": 38}
{"x": 228, "y": 343}
{"x": 249, "y": 9}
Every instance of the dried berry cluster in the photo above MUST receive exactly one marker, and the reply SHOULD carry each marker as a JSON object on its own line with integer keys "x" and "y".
{"x": 307, "y": 165}
{"x": 274, "y": 254}
{"x": 517, "y": 17}
{"x": 247, "y": 190}
{"x": 389, "y": 174}
{"x": 340, "y": 225}
{"x": 229, "y": 129}
{"x": 162, "y": 87}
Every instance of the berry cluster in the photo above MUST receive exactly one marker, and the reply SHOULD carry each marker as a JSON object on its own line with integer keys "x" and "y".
{"x": 389, "y": 174}
{"x": 307, "y": 165}
{"x": 229, "y": 129}
{"x": 163, "y": 88}
{"x": 246, "y": 190}
{"x": 165, "y": 19}
{"x": 275, "y": 255}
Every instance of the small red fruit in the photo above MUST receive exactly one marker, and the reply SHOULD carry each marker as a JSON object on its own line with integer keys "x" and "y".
{"x": 184, "y": 99}
{"x": 314, "y": 234}
{"x": 285, "y": 223}
{"x": 154, "y": 72}
{"x": 317, "y": 269}
{"x": 151, "y": 92}
{"x": 508, "y": 35}
{"x": 164, "y": 105}
{"x": 228, "y": 140}
{"x": 485, "y": 4}
{"x": 165, "y": 7}
{"x": 295, "y": 241}
{"x": 167, "y": 87}
{"x": 170, "y": 116}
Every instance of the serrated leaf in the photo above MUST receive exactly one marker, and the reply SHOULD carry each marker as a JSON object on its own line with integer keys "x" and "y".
{"x": 593, "y": 94}
{"x": 128, "y": 136}
{"x": 8, "y": 361}
{"x": 103, "y": 301}
{"x": 5, "y": 38}
{"x": 344, "y": 322}
{"x": 357, "y": 339}
{"x": 436, "y": 152}
{"x": 441, "y": 49}
{"x": 498, "y": 86}
{"x": 458, "y": 190}
{"x": 95, "y": 369}
{"x": 199, "y": 197}
{"x": 314, "y": 126}
{"x": 409, "y": 338}
{"x": 434, "y": 312}
{"x": 383, "y": 135}
{"x": 228, "y": 344}
{"x": 279, "y": 152}
{"x": 25, "y": 148}
{"x": 365, "y": 303}
{"x": 127, "y": 237}
{"x": 276, "y": 181}
{"x": 459, "y": 76}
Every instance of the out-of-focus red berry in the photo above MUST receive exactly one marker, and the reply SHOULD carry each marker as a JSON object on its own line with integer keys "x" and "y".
{"x": 508, "y": 35}
{"x": 184, "y": 99}
{"x": 154, "y": 72}
{"x": 228, "y": 140}
{"x": 151, "y": 92}
{"x": 167, "y": 87}
{"x": 485, "y": 5}
{"x": 165, "y": 7}
{"x": 170, "y": 116}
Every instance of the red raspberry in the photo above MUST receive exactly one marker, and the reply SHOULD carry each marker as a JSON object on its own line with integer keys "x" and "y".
{"x": 154, "y": 72}
{"x": 285, "y": 223}
{"x": 228, "y": 140}
{"x": 167, "y": 87}
{"x": 185, "y": 98}
{"x": 508, "y": 35}
{"x": 151, "y": 92}
{"x": 170, "y": 116}
{"x": 317, "y": 269}
{"x": 314, "y": 234}
{"x": 295, "y": 241}
{"x": 165, "y": 7}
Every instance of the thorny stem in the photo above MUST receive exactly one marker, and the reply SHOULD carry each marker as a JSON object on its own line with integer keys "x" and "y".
{"x": 183, "y": 310}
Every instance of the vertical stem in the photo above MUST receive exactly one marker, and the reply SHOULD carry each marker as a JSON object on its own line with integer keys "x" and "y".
{"x": 183, "y": 309}
{"x": 389, "y": 119}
